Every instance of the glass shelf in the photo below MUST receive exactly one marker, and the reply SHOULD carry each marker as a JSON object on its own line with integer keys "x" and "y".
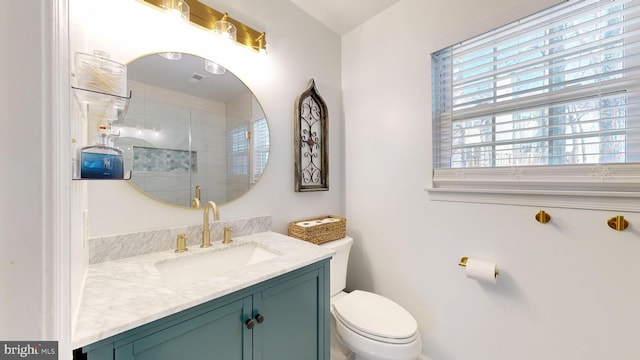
{"x": 109, "y": 106}
{"x": 104, "y": 108}
{"x": 127, "y": 176}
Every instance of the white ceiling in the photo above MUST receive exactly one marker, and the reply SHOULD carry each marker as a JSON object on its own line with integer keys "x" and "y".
{"x": 341, "y": 16}
{"x": 177, "y": 75}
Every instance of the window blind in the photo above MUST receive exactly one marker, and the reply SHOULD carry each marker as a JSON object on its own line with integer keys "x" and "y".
{"x": 556, "y": 89}
{"x": 260, "y": 147}
{"x": 238, "y": 151}
{"x": 248, "y": 151}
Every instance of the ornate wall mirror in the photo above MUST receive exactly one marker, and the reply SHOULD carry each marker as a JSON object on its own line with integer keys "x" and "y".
{"x": 193, "y": 132}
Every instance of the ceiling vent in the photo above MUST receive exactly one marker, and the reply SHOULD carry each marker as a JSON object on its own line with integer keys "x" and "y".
{"x": 197, "y": 77}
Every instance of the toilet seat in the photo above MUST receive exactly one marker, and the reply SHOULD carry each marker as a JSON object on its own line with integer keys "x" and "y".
{"x": 376, "y": 317}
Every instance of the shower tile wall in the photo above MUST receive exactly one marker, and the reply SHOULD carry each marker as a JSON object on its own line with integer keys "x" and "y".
{"x": 160, "y": 120}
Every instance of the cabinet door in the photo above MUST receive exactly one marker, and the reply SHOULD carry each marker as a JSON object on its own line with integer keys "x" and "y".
{"x": 218, "y": 335}
{"x": 294, "y": 321}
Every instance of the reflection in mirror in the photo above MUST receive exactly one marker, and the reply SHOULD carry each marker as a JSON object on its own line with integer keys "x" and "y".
{"x": 191, "y": 136}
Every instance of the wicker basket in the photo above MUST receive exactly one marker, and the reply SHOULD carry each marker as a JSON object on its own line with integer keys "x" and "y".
{"x": 320, "y": 233}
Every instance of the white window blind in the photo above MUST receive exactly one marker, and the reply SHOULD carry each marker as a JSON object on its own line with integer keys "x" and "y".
{"x": 248, "y": 151}
{"x": 260, "y": 147}
{"x": 238, "y": 151}
{"x": 550, "y": 99}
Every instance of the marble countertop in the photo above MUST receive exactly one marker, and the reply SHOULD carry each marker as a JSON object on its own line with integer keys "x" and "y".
{"x": 122, "y": 294}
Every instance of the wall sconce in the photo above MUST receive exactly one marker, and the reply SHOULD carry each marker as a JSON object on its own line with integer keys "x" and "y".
{"x": 217, "y": 22}
{"x": 214, "y": 68}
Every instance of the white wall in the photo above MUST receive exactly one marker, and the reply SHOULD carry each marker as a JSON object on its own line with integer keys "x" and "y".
{"x": 33, "y": 214}
{"x": 300, "y": 49}
{"x": 21, "y": 260}
{"x": 568, "y": 289}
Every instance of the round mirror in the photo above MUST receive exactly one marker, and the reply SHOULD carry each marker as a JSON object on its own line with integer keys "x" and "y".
{"x": 193, "y": 131}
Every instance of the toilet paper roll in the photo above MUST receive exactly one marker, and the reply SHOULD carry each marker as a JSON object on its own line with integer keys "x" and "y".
{"x": 482, "y": 271}
{"x": 309, "y": 223}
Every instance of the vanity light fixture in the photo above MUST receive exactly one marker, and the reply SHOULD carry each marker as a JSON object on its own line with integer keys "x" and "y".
{"x": 213, "y": 20}
{"x": 177, "y": 9}
{"x": 225, "y": 30}
{"x": 261, "y": 44}
{"x": 214, "y": 68}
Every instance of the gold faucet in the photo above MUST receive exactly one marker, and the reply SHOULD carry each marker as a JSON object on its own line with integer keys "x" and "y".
{"x": 206, "y": 239}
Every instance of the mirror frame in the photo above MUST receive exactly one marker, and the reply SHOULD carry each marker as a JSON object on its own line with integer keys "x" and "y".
{"x": 250, "y": 177}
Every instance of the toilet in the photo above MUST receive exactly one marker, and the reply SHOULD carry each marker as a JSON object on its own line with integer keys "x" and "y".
{"x": 368, "y": 325}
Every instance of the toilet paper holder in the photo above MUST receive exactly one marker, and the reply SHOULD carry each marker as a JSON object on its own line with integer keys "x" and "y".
{"x": 463, "y": 263}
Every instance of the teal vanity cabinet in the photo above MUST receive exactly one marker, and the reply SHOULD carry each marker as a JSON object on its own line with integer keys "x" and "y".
{"x": 286, "y": 317}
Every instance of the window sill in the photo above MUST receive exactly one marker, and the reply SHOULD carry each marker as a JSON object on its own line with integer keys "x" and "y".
{"x": 610, "y": 187}
{"x": 590, "y": 200}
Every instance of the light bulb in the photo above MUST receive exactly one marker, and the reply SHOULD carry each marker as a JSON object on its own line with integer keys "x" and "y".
{"x": 225, "y": 30}
{"x": 171, "y": 55}
{"x": 177, "y": 9}
{"x": 214, "y": 68}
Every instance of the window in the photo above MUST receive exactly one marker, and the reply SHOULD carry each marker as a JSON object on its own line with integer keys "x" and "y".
{"x": 238, "y": 150}
{"x": 260, "y": 147}
{"x": 241, "y": 143}
{"x": 548, "y": 102}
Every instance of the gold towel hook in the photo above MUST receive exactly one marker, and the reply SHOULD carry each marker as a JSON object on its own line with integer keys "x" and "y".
{"x": 618, "y": 223}
{"x": 542, "y": 217}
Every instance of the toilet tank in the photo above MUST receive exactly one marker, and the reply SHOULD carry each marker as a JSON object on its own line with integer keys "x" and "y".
{"x": 339, "y": 263}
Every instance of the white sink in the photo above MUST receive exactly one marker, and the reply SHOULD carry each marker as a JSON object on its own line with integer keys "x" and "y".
{"x": 190, "y": 268}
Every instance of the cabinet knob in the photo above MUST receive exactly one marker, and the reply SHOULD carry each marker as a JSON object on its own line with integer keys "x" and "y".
{"x": 259, "y": 318}
{"x": 250, "y": 323}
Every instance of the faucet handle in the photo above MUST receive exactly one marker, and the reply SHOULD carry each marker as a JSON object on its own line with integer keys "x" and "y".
{"x": 227, "y": 235}
{"x": 181, "y": 245}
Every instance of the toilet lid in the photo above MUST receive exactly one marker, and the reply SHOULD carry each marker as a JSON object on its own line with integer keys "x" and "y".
{"x": 376, "y": 315}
